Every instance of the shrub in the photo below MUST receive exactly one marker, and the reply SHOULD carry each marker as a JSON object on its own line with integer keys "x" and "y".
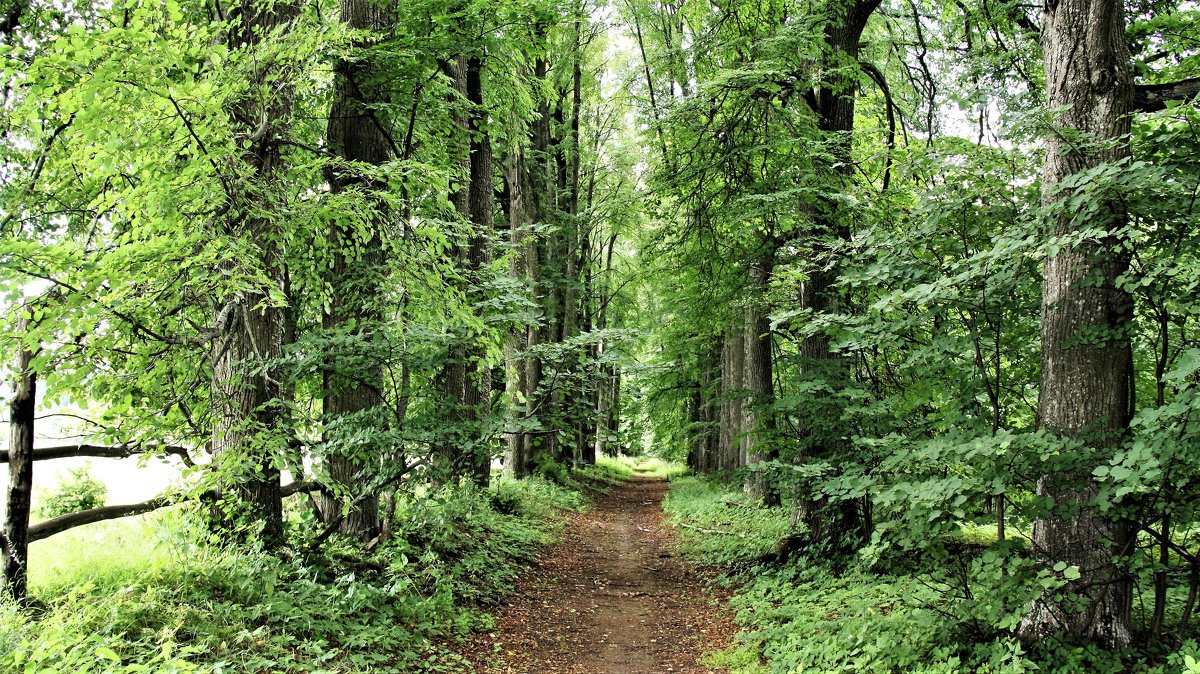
{"x": 79, "y": 491}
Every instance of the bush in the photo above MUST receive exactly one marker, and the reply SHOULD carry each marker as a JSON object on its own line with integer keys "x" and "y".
{"x": 79, "y": 491}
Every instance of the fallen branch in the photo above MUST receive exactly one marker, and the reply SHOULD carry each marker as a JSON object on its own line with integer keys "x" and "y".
{"x": 711, "y": 531}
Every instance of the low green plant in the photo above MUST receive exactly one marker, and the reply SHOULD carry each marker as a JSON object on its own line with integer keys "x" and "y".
{"x": 720, "y": 526}
{"x": 808, "y": 617}
{"x": 545, "y": 466}
{"x": 168, "y": 599}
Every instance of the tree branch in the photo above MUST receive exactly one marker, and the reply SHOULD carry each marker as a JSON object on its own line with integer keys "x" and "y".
{"x": 62, "y": 523}
{"x": 117, "y": 452}
{"x": 1154, "y": 97}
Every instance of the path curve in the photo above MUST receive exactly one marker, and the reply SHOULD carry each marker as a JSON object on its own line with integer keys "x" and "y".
{"x": 613, "y": 597}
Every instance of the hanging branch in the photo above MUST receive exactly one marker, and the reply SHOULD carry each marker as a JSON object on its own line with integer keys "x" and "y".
{"x": 890, "y": 107}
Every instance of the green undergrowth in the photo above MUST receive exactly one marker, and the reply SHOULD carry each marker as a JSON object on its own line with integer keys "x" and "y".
{"x": 158, "y": 597}
{"x": 807, "y": 616}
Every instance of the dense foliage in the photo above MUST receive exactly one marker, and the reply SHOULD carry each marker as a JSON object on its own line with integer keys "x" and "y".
{"x": 905, "y": 269}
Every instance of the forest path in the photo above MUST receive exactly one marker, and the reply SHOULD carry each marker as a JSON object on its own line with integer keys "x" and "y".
{"x": 613, "y": 597}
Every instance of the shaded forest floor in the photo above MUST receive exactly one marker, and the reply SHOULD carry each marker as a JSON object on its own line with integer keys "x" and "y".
{"x": 613, "y": 597}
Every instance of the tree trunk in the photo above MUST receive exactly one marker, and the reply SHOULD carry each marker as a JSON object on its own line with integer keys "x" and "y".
{"x": 245, "y": 384}
{"x": 737, "y": 381}
{"x": 357, "y": 133}
{"x": 454, "y": 374}
{"x": 518, "y": 461}
{"x": 759, "y": 382}
{"x": 540, "y": 271}
{"x": 477, "y": 384}
{"x": 614, "y": 413}
{"x": 841, "y": 525}
{"x": 1086, "y": 353}
{"x": 725, "y": 423}
{"x": 20, "y": 473}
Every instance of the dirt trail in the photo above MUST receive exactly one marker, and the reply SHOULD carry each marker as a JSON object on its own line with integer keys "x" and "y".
{"x": 612, "y": 598}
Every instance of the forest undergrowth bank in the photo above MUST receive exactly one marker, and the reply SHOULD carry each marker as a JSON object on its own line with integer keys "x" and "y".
{"x": 808, "y": 614}
{"x": 165, "y": 597}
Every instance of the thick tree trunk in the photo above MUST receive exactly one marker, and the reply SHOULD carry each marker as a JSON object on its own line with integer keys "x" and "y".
{"x": 356, "y": 133}
{"x": 710, "y": 366}
{"x": 245, "y": 394}
{"x": 1086, "y": 353}
{"x": 518, "y": 460}
{"x": 727, "y": 422}
{"x": 454, "y": 374}
{"x": 841, "y": 525}
{"x": 541, "y": 260}
{"x": 477, "y": 384}
{"x": 15, "y": 538}
{"x": 614, "y": 414}
{"x": 735, "y": 455}
{"x": 245, "y": 386}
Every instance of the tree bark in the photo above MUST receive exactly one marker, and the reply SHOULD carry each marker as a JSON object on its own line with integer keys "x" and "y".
{"x": 20, "y": 473}
{"x": 358, "y": 133}
{"x": 477, "y": 384}
{"x": 1086, "y": 352}
{"x": 245, "y": 385}
{"x": 840, "y": 525}
{"x": 737, "y": 377}
{"x": 518, "y": 461}
{"x": 544, "y": 261}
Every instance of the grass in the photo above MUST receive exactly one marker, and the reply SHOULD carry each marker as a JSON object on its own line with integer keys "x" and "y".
{"x": 719, "y": 526}
{"x": 113, "y": 548}
{"x": 657, "y": 468}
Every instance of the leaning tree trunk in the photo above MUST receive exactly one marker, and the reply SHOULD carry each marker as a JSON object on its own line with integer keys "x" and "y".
{"x": 357, "y": 133}
{"x": 1086, "y": 353}
{"x": 245, "y": 386}
{"x": 15, "y": 541}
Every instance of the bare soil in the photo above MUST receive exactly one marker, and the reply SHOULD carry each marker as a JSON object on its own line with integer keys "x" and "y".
{"x": 614, "y": 597}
